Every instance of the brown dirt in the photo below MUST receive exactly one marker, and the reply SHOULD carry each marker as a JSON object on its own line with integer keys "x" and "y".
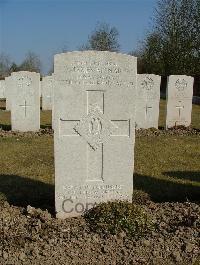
{"x": 33, "y": 236}
{"x": 179, "y": 131}
{"x": 9, "y": 133}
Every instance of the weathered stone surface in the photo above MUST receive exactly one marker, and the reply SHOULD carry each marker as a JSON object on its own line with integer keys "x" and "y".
{"x": 94, "y": 110}
{"x": 25, "y": 104}
{"x": 47, "y": 89}
{"x": 2, "y": 89}
{"x": 148, "y": 99}
{"x": 179, "y": 100}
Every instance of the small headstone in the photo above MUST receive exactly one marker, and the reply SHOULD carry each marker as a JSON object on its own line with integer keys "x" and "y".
{"x": 47, "y": 89}
{"x": 179, "y": 100}
{"x": 94, "y": 130}
{"x": 2, "y": 89}
{"x": 25, "y": 105}
{"x": 148, "y": 100}
{"x": 8, "y": 92}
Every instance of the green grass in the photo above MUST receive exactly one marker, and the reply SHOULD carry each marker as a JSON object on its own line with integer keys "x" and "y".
{"x": 27, "y": 171}
{"x": 166, "y": 167}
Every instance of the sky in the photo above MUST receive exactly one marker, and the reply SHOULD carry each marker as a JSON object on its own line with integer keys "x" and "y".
{"x": 47, "y": 26}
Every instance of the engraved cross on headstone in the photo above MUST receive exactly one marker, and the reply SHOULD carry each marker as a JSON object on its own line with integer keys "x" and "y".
{"x": 179, "y": 107}
{"x": 147, "y": 108}
{"x": 25, "y": 107}
{"x": 96, "y": 129}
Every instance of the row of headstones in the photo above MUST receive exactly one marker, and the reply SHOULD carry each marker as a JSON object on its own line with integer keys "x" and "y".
{"x": 179, "y": 100}
{"x": 97, "y": 100}
{"x": 22, "y": 91}
{"x": 45, "y": 88}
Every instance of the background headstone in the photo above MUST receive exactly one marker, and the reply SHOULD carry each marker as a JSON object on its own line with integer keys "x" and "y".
{"x": 40, "y": 88}
{"x": 2, "y": 89}
{"x": 94, "y": 130}
{"x": 25, "y": 105}
{"x": 52, "y": 113}
{"x": 179, "y": 100}
{"x": 148, "y": 100}
{"x": 47, "y": 89}
{"x": 8, "y": 92}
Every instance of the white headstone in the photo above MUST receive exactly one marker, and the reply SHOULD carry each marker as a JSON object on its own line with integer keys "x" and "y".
{"x": 148, "y": 100}
{"x": 47, "y": 89}
{"x": 40, "y": 88}
{"x": 53, "y": 116}
{"x": 25, "y": 105}
{"x": 179, "y": 100}
{"x": 2, "y": 89}
{"x": 8, "y": 92}
{"x": 94, "y": 130}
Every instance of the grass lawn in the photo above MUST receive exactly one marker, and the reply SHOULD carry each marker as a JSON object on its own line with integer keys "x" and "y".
{"x": 166, "y": 167}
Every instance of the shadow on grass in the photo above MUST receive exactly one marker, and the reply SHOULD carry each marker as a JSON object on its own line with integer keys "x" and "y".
{"x": 184, "y": 175}
{"x": 5, "y": 127}
{"x": 163, "y": 190}
{"x": 21, "y": 191}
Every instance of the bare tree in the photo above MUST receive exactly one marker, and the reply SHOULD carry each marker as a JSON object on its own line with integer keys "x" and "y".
{"x": 14, "y": 68}
{"x": 103, "y": 38}
{"x": 5, "y": 64}
{"x": 31, "y": 63}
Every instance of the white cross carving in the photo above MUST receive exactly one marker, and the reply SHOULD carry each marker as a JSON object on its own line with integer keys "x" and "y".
{"x": 179, "y": 109}
{"x": 146, "y": 110}
{"x": 94, "y": 128}
{"x": 25, "y": 107}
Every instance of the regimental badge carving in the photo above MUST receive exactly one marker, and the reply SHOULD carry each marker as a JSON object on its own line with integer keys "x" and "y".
{"x": 147, "y": 83}
{"x": 24, "y": 81}
{"x": 95, "y": 128}
{"x": 181, "y": 84}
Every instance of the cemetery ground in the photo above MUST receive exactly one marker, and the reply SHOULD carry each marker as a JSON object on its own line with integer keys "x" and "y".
{"x": 166, "y": 227}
